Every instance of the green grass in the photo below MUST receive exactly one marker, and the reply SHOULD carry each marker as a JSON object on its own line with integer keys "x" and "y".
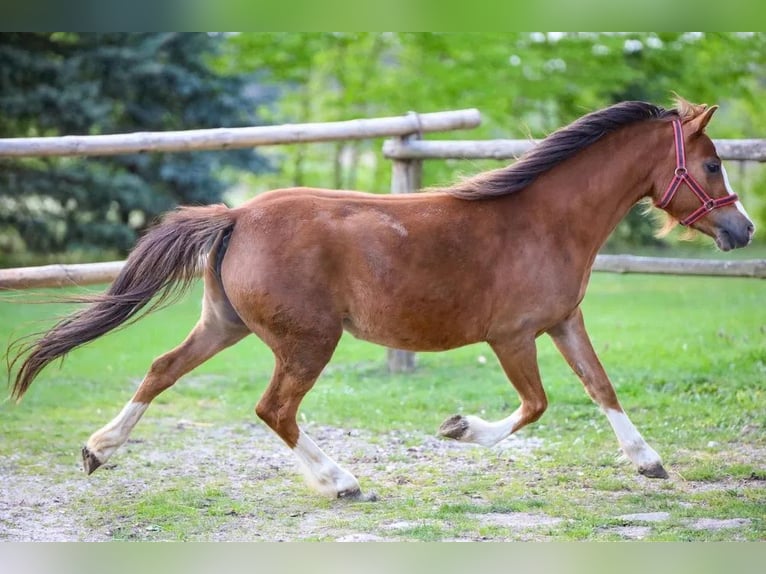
{"x": 687, "y": 356}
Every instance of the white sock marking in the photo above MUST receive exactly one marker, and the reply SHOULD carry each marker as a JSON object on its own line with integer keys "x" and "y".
{"x": 633, "y": 444}
{"x": 486, "y": 433}
{"x": 109, "y": 438}
{"x": 321, "y": 472}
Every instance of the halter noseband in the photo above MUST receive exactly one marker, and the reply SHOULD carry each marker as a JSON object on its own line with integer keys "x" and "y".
{"x": 683, "y": 176}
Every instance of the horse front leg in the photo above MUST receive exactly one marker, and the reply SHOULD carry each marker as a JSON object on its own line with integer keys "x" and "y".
{"x": 574, "y": 344}
{"x": 518, "y": 357}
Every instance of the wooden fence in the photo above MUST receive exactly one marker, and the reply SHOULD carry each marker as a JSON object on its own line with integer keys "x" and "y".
{"x": 411, "y": 124}
{"x": 403, "y": 149}
{"x": 407, "y": 151}
{"x": 211, "y": 139}
{"x": 232, "y": 138}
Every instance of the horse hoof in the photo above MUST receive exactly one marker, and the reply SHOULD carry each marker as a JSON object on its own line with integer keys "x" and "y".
{"x": 654, "y": 471}
{"x": 356, "y": 495}
{"x": 454, "y": 427}
{"x": 89, "y": 460}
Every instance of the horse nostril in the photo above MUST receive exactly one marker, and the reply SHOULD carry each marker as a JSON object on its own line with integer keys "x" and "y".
{"x": 750, "y": 229}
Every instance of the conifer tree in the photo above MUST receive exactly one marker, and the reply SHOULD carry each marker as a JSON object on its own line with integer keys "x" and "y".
{"x": 69, "y": 84}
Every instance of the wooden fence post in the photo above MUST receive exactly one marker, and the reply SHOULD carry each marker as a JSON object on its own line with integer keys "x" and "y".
{"x": 406, "y": 177}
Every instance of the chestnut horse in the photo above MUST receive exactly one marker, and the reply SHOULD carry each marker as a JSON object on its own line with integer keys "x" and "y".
{"x": 501, "y": 257}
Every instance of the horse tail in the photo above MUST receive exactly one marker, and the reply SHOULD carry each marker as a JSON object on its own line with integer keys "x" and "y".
{"x": 164, "y": 263}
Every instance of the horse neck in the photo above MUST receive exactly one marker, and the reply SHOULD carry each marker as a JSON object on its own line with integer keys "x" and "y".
{"x": 587, "y": 196}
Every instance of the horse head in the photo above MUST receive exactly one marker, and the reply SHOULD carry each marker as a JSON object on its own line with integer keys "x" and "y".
{"x": 696, "y": 192}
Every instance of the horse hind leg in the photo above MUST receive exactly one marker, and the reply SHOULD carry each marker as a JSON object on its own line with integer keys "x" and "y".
{"x": 217, "y": 328}
{"x": 299, "y": 363}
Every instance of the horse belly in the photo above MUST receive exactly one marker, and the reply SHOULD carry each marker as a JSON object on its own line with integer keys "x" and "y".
{"x": 428, "y": 303}
{"x": 414, "y": 325}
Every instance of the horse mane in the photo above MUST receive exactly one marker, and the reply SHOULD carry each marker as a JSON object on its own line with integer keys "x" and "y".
{"x": 561, "y": 145}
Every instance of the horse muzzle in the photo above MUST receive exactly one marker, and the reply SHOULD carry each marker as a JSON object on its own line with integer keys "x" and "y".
{"x": 734, "y": 232}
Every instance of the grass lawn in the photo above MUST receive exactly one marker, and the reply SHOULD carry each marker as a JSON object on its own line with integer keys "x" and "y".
{"x": 687, "y": 356}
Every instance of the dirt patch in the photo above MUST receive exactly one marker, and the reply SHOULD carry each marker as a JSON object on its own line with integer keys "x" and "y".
{"x": 645, "y": 517}
{"x": 631, "y": 532}
{"x": 246, "y": 487}
{"x": 46, "y": 502}
{"x": 360, "y": 537}
{"x": 517, "y": 520}
{"x": 719, "y": 524}
{"x": 640, "y": 532}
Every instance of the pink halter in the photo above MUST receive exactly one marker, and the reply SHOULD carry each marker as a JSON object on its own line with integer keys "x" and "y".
{"x": 683, "y": 176}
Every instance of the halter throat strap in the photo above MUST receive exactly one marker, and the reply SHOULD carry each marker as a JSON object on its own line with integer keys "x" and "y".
{"x": 682, "y": 175}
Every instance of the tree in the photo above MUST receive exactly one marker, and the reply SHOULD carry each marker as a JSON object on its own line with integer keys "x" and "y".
{"x": 320, "y": 77}
{"x": 66, "y": 84}
{"x": 525, "y": 84}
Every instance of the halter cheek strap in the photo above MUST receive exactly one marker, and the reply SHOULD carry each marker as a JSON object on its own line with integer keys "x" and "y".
{"x": 683, "y": 176}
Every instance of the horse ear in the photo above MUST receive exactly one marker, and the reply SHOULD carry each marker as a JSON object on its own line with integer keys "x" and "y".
{"x": 697, "y": 124}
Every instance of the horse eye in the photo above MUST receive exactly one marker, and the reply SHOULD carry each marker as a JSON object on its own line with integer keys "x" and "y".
{"x": 712, "y": 167}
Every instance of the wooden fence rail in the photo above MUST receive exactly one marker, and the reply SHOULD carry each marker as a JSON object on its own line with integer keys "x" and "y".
{"x": 59, "y": 275}
{"x": 412, "y": 124}
{"x": 414, "y": 149}
{"x": 407, "y": 151}
{"x": 673, "y": 266}
{"x": 231, "y": 138}
{"x": 94, "y": 273}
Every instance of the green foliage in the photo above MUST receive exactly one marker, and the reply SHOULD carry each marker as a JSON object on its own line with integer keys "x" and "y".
{"x": 68, "y": 84}
{"x": 524, "y": 84}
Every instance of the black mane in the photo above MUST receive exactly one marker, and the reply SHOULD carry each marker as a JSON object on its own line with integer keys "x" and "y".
{"x": 557, "y": 147}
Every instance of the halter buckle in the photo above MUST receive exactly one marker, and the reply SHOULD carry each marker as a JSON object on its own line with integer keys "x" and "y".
{"x": 710, "y": 205}
{"x": 681, "y": 171}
